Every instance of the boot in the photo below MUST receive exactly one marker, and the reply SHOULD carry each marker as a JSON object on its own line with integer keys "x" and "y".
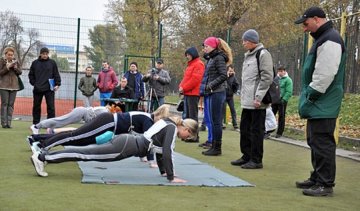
{"x": 214, "y": 150}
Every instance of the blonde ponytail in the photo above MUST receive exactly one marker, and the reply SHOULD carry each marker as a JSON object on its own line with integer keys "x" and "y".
{"x": 227, "y": 50}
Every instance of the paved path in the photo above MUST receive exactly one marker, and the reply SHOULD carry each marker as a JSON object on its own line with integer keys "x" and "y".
{"x": 339, "y": 152}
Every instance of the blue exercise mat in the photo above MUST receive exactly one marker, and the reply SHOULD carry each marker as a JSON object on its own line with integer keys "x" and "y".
{"x": 132, "y": 171}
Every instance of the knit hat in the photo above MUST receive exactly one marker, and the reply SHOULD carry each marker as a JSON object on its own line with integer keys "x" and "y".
{"x": 44, "y": 50}
{"x": 192, "y": 52}
{"x": 212, "y": 42}
{"x": 251, "y": 35}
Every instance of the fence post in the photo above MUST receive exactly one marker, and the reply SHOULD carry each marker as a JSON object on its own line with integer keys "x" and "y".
{"x": 228, "y": 36}
{"x": 77, "y": 61}
{"x": 126, "y": 61}
{"x": 160, "y": 39}
{"x": 343, "y": 25}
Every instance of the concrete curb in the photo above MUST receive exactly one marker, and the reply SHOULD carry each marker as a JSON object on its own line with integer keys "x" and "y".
{"x": 339, "y": 152}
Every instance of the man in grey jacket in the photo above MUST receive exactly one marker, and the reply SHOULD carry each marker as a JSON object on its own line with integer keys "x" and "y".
{"x": 158, "y": 78}
{"x": 255, "y": 83}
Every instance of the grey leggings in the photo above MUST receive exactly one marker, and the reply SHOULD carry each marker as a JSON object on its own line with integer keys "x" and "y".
{"x": 121, "y": 147}
{"x": 76, "y": 115}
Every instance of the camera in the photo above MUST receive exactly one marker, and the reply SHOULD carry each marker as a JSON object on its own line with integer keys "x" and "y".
{"x": 153, "y": 72}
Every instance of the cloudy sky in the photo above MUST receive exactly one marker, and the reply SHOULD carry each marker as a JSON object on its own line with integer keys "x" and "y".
{"x": 84, "y": 9}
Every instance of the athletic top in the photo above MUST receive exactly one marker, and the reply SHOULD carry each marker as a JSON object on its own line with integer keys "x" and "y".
{"x": 162, "y": 136}
{"x": 136, "y": 121}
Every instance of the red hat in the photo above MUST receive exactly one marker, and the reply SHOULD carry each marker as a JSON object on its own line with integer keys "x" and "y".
{"x": 212, "y": 42}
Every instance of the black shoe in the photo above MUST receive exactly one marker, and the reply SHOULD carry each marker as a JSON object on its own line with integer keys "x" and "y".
{"x": 191, "y": 140}
{"x": 252, "y": 165}
{"x": 305, "y": 184}
{"x": 208, "y": 146}
{"x": 277, "y": 136}
{"x": 4, "y": 126}
{"x": 30, "y": 140}
{"x": 215, "y": 149}
{"x": 203, "y": 144}
{"x": 8, "y": 126}
{"x": 202, "y": 128}
{"x": 318, "y": 190}
{"x": 267, "y": 135}
{"x": 238, "y": 162}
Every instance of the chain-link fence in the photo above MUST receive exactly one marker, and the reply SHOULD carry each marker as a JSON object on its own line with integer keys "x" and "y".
{"x": 77, "y": 43}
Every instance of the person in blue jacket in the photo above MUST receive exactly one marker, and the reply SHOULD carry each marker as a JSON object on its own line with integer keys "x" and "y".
{"x": 134, "y": 81}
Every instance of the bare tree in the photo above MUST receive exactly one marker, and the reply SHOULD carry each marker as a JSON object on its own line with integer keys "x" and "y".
{"x": 24, "y": 49}
{"x": 13, "y": 34}
{"x": 10, "y": 25}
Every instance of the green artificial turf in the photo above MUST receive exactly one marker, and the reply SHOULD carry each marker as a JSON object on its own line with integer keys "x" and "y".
{"x": 22, "y": 189}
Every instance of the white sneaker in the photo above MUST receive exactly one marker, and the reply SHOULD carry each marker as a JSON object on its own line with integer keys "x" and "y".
{"x": 153, "y": 164}
{"x": 39, "y": 165}
{"x": 143, "y": 159}
{"x": 35, "y": 147}
{"x": 34, "y": 130}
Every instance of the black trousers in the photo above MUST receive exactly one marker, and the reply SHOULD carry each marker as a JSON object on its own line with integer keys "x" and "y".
{"x": 320, "y": 138}
{"x": 252, "y": 127}
{"x": 191, "y": 107}
{"x": 230, "y": 101}
{"x": 84, "y": 135}
{"x": 50, "y": 105}
{"x": 281, "y": 108}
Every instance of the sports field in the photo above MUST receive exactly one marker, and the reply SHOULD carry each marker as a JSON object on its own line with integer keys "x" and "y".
{"x": 22, "y": 189}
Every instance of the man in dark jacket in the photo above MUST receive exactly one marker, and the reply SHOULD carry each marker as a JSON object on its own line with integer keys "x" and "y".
{"x": 158, "y": 78}
{"x": 45, "y": 78}
{"x": 322, "y": 90}
{"x": 232, "y": 87}
{"x": 123, "y": 91}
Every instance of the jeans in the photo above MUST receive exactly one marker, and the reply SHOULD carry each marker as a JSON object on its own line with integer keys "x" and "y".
{"x": 103, "y": 96}
{"x": 206, "y": 119}
{"x": 216, "y": 102}
{"x": 156, "y": 103}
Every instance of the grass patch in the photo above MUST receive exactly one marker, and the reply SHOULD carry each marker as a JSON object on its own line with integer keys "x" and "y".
{"x": 21, "y": 189}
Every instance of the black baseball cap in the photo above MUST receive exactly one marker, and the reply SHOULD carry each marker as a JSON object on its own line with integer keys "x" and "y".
{"x": 160, "y": 60}
{"x": 310, "y": 13}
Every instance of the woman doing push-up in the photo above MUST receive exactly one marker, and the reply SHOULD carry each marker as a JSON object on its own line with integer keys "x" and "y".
{"x": 160, "y": 138}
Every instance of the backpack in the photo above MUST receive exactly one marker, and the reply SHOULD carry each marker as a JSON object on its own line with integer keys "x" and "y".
{"x": 273, "y": 93}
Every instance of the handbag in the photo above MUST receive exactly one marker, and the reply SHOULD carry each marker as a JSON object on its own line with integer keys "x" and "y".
{"x": 21, "y": 84}
{"x": 180, "y": 106}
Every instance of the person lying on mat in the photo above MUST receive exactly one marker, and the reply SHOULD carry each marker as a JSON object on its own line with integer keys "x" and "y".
{"x": 118, "y": 123}
{"x": 160, "y": 138}
{"x": 78, "y": 114}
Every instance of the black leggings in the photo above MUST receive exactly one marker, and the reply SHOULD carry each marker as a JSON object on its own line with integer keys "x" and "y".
{"x": 84, "y": 135}
{"x": 121, "y": 147}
